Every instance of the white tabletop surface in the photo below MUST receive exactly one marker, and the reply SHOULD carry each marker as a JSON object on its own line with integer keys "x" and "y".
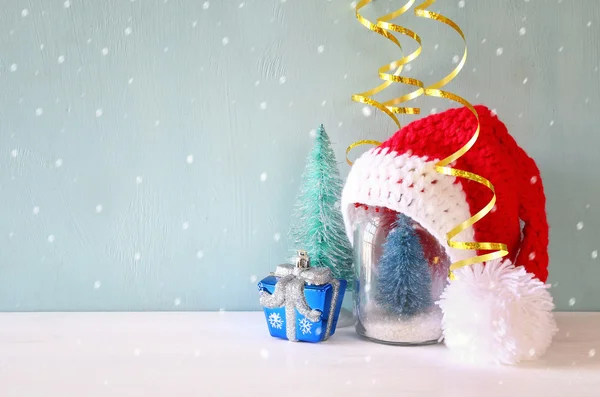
{"x": 231, "y": 354}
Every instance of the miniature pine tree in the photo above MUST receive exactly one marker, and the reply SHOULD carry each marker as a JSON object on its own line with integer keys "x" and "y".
{"x": 403, "y": 278}
{"x": 317, "y": 225}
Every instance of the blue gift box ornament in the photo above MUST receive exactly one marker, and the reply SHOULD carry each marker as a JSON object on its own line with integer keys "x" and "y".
{"x": 302, "y": 303}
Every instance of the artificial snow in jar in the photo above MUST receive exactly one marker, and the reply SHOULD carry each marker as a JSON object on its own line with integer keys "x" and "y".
{"x": 401, "y": 271}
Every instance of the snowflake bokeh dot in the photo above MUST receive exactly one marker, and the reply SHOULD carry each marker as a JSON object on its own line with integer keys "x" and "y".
{"x": 264, "y": 353}
{"x": 572, "y": 302}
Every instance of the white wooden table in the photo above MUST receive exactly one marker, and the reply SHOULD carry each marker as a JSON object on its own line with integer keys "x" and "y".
{"x": 231, "y": 354}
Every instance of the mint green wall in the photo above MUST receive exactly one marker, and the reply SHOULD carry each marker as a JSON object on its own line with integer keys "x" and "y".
{"x": 150, "y": 150}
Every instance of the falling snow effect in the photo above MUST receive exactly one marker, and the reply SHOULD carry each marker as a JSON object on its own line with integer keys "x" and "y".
{"x": 264, "y": 353}
{"x": 101, "y": 53}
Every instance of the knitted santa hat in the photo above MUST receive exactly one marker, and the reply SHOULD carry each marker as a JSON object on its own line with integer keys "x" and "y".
{"x": 500, "y": 311}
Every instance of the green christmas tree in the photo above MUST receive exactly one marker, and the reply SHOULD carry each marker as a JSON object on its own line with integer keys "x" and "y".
{"x": 317, "y": 225}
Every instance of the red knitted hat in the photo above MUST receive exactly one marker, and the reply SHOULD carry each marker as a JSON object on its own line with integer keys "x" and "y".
{"x": 400, "y": 175}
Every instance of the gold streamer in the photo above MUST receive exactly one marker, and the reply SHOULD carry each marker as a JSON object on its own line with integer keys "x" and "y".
{"x": 383, "y": 28}
{"x": 442, "y": 167}
{"x": 360, "y": 143}
{"x": 433, "y": 90}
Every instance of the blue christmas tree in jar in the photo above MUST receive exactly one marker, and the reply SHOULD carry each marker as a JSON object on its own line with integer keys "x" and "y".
{"x": 403, "y": 277}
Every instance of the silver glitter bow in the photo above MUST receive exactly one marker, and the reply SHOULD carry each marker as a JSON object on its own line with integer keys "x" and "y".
{"x": 289, "y": 292}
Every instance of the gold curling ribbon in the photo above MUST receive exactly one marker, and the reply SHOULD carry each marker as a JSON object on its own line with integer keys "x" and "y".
{"x": 383, "y": 28}
{"x": 360, "y": 143}
{"x": 389, "y": 108}
{"x": 442, "y": 167}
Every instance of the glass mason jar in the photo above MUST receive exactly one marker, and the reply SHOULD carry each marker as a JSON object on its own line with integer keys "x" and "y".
{"x": 401, "y": 271}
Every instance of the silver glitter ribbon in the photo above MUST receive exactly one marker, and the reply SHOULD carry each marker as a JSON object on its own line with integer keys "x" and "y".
{"x": 289, "y": 292}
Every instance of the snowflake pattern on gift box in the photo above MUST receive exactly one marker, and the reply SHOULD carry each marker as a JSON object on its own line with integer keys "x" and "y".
{"x": 275, "y": 320}
{"x": 305, "y": 326}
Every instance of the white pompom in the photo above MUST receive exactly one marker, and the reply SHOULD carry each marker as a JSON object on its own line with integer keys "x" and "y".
{"x": 497, "y": 313}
